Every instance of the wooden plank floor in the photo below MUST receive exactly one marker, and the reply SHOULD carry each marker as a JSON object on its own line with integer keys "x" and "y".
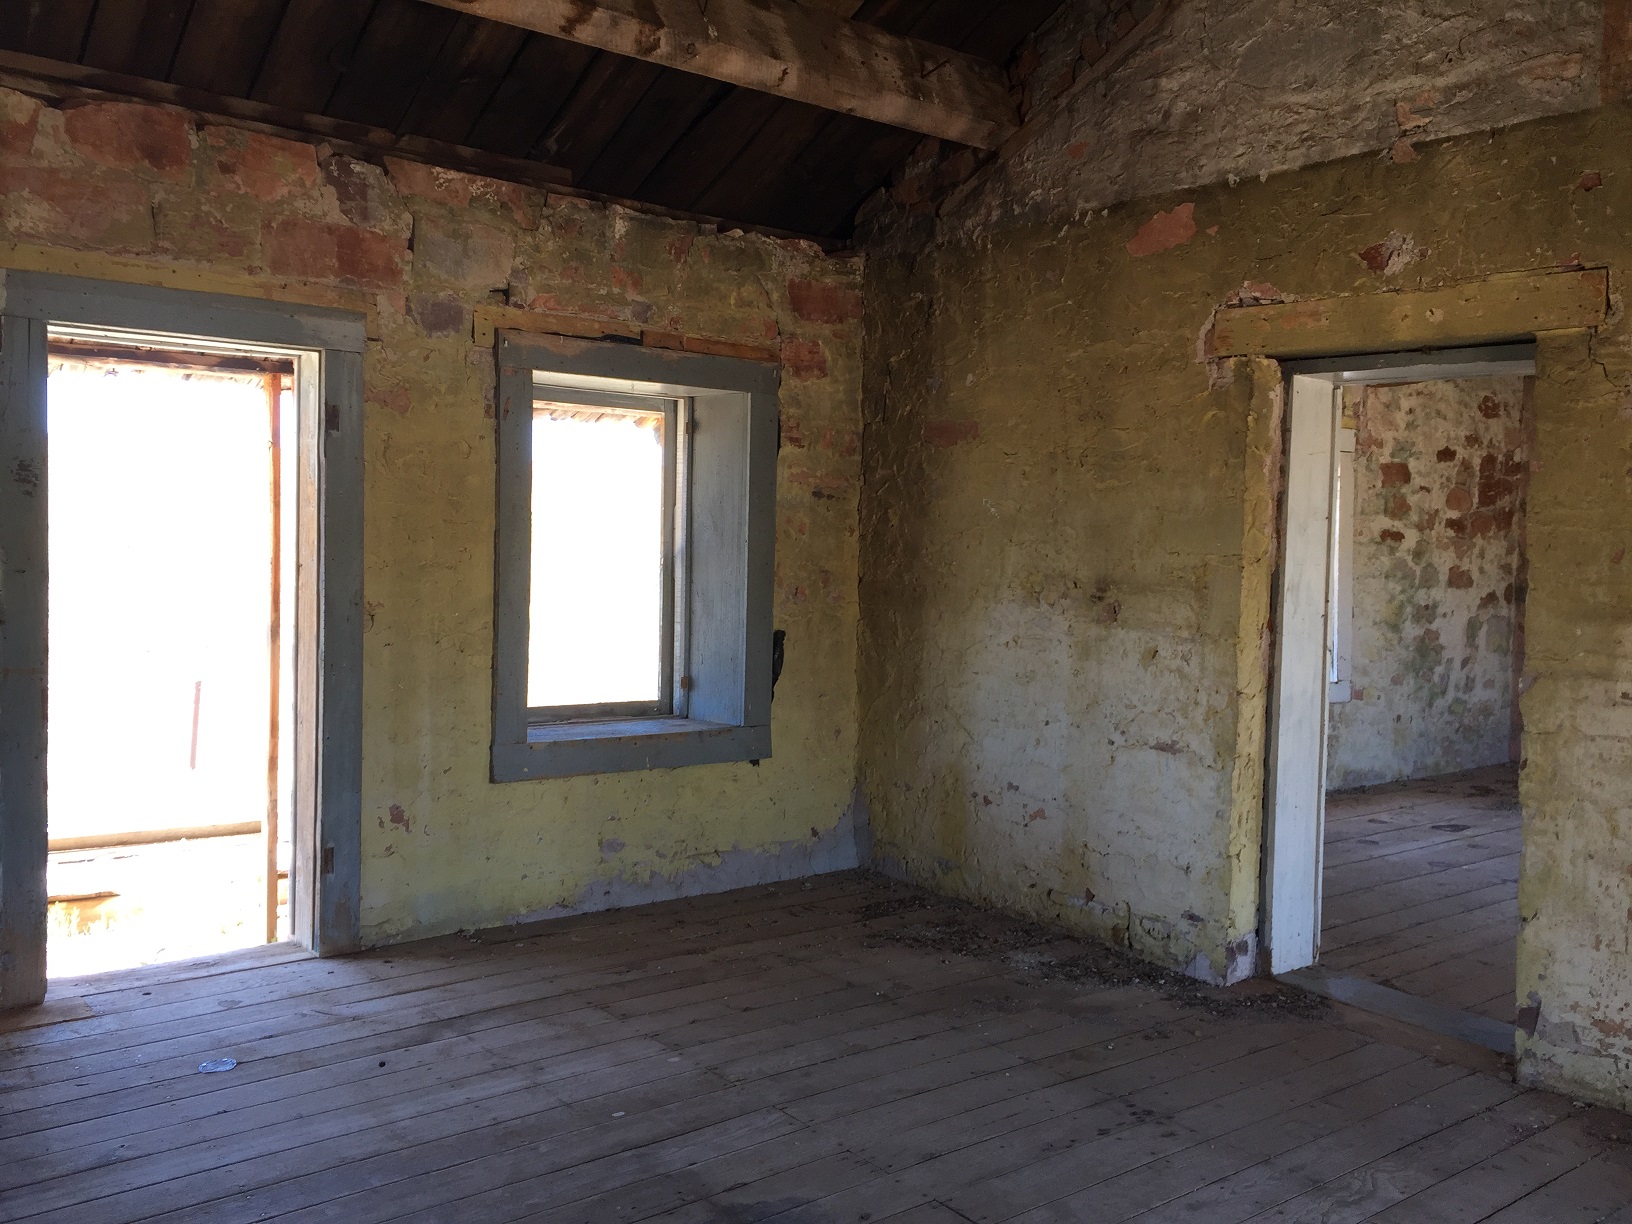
{"x": 1420, "y": 888}
{"x": 843, "y": 1050}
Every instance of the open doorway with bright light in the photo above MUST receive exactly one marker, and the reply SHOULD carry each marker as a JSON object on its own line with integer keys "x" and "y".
{"x": 172, "y": 549}
{"x": 183, "y": 544}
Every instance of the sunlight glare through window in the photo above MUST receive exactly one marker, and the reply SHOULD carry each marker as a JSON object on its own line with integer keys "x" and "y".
{"x": 596, "y": 630}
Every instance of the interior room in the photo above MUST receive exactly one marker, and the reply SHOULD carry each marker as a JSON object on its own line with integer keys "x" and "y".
{"x": 815, "y": 611}
{"x": 1422, "y": 828}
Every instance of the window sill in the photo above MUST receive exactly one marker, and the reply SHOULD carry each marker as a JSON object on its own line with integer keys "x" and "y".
{"x": 564, "y": 750}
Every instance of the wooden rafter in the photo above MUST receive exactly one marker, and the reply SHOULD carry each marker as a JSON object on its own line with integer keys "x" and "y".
{"x": 792, "y": 50}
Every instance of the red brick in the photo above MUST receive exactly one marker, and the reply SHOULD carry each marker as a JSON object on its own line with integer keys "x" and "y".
{"x": 266, "y": 167}
{"x": 322, "y": 251}
{"x": 130, "y": 136}
{"x": 944, "y": 434}
{"x": 1395, "y": 475}
{"x": 804, "y": 359}
{"x": 823, "y": 302}
{"x": 1164, "y": 231}
{"x": 77, "y": 207}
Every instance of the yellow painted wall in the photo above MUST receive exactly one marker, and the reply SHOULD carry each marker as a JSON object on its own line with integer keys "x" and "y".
{"x": 1066, "y": 556}
{"x": 153, "y": 194}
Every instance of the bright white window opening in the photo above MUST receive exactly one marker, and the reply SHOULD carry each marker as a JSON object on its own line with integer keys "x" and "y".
{"x": 605, "y": 519}
{"x": 1341, "y": 651}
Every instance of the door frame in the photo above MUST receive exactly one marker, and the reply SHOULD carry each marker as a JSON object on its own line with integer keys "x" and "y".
{"x": 1295, "y": 784}
{"x": 327, "y": 345}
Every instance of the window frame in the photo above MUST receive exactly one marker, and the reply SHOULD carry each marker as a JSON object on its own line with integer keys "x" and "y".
{"x": 675, "y": 411}
{"x": 725, "y": 494}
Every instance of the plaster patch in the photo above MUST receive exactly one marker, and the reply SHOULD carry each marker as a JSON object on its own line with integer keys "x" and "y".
{"x": 1164, "y": 231}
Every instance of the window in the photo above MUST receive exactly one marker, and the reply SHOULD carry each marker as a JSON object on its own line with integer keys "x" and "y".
{"x": 635, "y": 525}
{"x": 600, "y": 604}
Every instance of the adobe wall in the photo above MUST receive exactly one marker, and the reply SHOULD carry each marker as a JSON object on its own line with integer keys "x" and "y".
{"x": 154, "y": 194}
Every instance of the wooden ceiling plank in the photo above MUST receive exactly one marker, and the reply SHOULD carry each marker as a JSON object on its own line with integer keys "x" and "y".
{"x": 668, "y": 111}
{"x": 310, "y": 52}
{"x": 379, "y": 83}
{"x": 783, "y": 48}
{"x": 531, "y": 94}
{"x": 896, "y": 16}
{"x": 948, "y": 23}
{"x": 224, "y": 43}
{"x": 599, "y": 104}
{"x": 774, "y": 148}
{"x": 848, "y": 161}
{"x": 705, "y": 152}
{"x": 138, "y": 37}
{"x": 1006, "y": 27}
{"x": 53, "y": 31}
{"x": 463, "y": 78}
{"x": 842, "y": 8}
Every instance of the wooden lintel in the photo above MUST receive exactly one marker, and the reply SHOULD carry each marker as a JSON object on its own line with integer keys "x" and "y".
{"x": 1507, "y": 307}
{"x": 491, "y": 321}
{"x": 793, "y": 50}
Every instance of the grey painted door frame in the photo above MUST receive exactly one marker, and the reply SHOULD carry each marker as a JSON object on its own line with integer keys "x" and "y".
{"x": 327, "y": 346}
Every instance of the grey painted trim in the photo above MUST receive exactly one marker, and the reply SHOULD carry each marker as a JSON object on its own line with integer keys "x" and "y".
{"x": 727, "y": 543}
{"x": 1483, "y": 361}
{"x": 23, "y": 559}
{"x": 599, "y": 365}
{"x": 512, "y": 579}
{"x": 78, "y": 299}
{"x": 333, "y": 923}
{"x": 340, "y": 750}
{"x": 567, "y": 750}
{"x": 1397, "y": 1005}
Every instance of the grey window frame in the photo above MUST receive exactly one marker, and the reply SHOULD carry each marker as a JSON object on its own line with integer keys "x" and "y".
{"x": 329, "y": 344}
{"x": 723, "y": 560}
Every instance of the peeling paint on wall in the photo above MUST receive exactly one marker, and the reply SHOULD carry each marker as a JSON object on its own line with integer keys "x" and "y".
{"x": 1065, "y": 610}
{"x": 116, "y": 189}
{"x": 1437, "y": 586}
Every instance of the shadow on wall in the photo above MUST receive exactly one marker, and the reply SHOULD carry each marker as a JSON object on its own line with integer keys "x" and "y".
{"x": 1438, "y": 580}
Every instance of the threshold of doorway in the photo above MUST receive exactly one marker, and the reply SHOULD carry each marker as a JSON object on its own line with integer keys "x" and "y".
{"x": 1405, "y": 1008}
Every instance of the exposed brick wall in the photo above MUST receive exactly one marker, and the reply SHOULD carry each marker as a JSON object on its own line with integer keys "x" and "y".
{"x": 1439, "y": 504}
{"x": 157, "y": 194}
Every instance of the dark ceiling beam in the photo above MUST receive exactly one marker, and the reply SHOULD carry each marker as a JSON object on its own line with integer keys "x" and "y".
{"x": 802, "y": 52}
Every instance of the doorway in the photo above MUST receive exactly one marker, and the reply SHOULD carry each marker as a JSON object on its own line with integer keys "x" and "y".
{"x": 170, "y": 589}
{"x": 192, "y": 464}
{"x": 1394, "y": 833}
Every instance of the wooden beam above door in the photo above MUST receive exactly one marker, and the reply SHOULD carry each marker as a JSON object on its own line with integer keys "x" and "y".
{"x": 804, "y": 52}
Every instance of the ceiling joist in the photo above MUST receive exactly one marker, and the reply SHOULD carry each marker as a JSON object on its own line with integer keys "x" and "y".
{"x": 787, "y": 49}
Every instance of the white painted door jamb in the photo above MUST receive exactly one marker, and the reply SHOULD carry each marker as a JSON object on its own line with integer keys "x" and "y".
{"x": 1297, "y": 756}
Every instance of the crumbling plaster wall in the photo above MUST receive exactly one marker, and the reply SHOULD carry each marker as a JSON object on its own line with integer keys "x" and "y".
{"x": 1436, "y": 580}
{"x": 140, "y": 192}
{"x": 1235, "y": 89}
{"x": 1064, "y": 518}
